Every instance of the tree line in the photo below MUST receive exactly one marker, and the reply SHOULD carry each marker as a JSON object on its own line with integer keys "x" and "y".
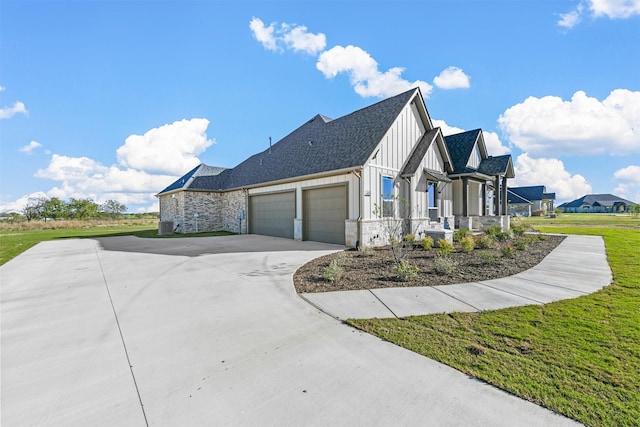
{"x": 55, "y": 208}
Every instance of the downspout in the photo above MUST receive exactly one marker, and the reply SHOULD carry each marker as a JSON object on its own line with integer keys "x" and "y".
{"x": 360, "y": 205}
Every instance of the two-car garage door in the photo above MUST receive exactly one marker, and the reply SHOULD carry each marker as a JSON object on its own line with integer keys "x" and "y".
{"x": 324, "y": 211}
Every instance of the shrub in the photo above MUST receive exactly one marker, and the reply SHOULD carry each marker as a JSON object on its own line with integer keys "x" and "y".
{"x": 503, "y": 236}
{"x": 340, "y": 258}
{"x": 520, "y": 244}
{"x": 427, "y": 243}
{"x": 467, "y": 243}
{"x": 542, "y": 237}
{"x": 410, "y": 238}
{"x": 333, "y": 272}
{"x": 518, "y": 230}
{"x": 507, "y": 251}
{"x": 460, "y": 234}
{"x": 444, "y": 265}
{"x": 490, "y": 257}
{"x": 492, "y": 231}
{"x": 406, "y": 271}
{"x": 485, "y": 242}
{"x": 445, "y": 247}
{"x": 366, "y": 250}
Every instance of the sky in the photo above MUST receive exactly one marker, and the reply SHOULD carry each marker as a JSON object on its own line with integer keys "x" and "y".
{"x": 117, "y": 99}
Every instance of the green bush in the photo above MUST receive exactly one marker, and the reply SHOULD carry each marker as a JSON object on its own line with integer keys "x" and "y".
{"x": 489, "y": 257}
{"x": 485, "y": 242}
{"x": 366, "y": 250}
{"x": 427, "y": 243}
{"x": 492, "y": 231}
{"x": 444, "y": 265}
{"x": 406, "y": 271}
{"x": 445, "y": 247}
{"x": 460, "y": 234}
{"x": 518, "y": 230}
{"x": 507, "y": 251}
{"x": 520, "y": 244}
{"x": 503, "y": 236}
{"x": 333, "y": 272}
{"x": 410, "y": 238}
{"x": 467, "y": 243}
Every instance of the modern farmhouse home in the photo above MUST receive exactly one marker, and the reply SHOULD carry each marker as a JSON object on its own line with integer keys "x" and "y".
{"x": 339, "y": 181}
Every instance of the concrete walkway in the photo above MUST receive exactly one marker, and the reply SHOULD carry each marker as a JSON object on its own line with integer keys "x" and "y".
{"x": 124, "y": 331}
{"x": 578, "y": 266}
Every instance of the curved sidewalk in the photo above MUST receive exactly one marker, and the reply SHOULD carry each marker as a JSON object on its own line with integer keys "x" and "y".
{"x": 578, "y": 266}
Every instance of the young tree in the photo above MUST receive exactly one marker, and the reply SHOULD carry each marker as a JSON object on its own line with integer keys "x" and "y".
{"x": 34, "y": 208}
{"x": 113, "y": 208}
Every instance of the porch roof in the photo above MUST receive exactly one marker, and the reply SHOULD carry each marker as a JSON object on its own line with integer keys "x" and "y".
{"x": 436, "y": 176}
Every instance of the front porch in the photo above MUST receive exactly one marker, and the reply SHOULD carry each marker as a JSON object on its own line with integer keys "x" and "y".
{"x": 482, "y": 202}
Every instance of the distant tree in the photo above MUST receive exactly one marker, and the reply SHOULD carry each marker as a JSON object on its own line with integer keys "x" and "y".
{"x": 82, "y": 208}
{"x": 34, "y": 208}
{"x": 54, "y": 208}
{"x": 635, "y": 210}
{"x": 113, "y": 208}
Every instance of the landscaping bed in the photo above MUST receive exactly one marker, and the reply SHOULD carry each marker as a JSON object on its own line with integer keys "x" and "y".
{"x": 376, "y": 268}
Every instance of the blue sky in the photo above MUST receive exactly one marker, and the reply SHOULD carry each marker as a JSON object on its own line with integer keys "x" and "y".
{"x": 116, "y": 99}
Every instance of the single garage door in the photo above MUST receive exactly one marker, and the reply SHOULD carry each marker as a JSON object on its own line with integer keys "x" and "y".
{"x": 272, "y": 214}
{"x": 324, "y": 212}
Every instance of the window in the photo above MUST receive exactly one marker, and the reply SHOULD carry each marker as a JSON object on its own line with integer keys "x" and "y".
{"x": 432, "y": 192}
{"x": 387, "y": 197}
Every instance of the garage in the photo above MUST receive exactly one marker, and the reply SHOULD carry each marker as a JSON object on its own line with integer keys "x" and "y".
{"x": 324, "y": 212}
{"x": 272, "y": 214}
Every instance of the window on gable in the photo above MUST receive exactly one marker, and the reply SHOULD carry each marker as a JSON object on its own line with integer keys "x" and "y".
{"x": 388, "y": 207}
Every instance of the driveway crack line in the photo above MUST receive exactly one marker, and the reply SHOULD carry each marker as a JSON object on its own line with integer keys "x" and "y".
{"x": 124, "y": 345}
{"x": 382, "y": 302}
{"x": 437, "y": 288}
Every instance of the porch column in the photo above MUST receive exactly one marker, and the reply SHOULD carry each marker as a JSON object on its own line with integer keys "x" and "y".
{"x": 483, "y": 188}
{"x": 496, "y": 196}
{"x": 465, "y": 197}
{"x": 504, "y": 195}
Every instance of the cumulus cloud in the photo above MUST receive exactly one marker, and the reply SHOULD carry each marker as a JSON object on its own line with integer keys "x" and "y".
{"x": 452, "y": 78}
{"x": 2, "y": 88}
{"x": 170, "y": 149}
{"x": 491, "y": 139}
{"x": 581, "y": 126}
{"x": 28, "y": 149}
{"x": 64, "y": 168}
{"x": 629, "y": 185}
{"x": 552, "y": 174}
{"x": 363, "y": 73}
{"x": 276, "y": 37}
{"x": 612, "y": 9}
{"x": 8, "y": 112}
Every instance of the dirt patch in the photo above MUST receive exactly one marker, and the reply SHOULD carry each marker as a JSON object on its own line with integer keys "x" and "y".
{"x": 377, "y": 269}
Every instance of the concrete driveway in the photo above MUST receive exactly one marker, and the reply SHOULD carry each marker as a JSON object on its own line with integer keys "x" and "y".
{"x": 124, "y": 331}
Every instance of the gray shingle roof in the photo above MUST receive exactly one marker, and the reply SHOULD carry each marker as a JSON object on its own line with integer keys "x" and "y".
{"x": 531, "y": 193}
{"x": 419, "y": 152}
{"x": 598, "y": 200}
{"x": 499, "y": 165}
{"x": 513, "y": 198}
{"x": 460, "y": 147}
{"x": 319, "y": 145}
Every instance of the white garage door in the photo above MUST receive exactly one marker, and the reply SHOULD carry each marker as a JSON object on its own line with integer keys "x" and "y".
{"x": 272, "y": 214}
{"x": 324, "y": 212}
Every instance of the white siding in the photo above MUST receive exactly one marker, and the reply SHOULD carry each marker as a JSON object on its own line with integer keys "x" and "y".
{"x": 475, "y": 158}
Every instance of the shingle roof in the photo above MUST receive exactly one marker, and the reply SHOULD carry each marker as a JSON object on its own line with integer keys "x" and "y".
{"x": 514, "y": 199}
{"x": 499, "y": 165}
{"x": 419, "y": 152}
{"x": 600, "y": 199}
{"x": 196, "y": 174}
{"x": 532, "y": 193}
{"x": 460, "y": 147}
{"x": 319, "y": 145}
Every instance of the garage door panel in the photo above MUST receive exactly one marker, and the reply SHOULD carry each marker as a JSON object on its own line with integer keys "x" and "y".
{"x": 324, "y": 213}
{"x": 272, "y": 214}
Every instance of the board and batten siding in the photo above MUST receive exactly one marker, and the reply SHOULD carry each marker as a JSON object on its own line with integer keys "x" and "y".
{"x": 475, "y": 158}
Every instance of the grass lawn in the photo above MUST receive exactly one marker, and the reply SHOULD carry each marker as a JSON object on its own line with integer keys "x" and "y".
{"x": 14, "y": 242}
{"x": 578, "y": 357}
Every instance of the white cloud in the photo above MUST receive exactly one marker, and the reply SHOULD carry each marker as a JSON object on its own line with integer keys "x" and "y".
{"x": 629, "y": 187}
{"x": 19, "y": 204}
{"x": 8, "y": 112}
{"x": 2, "y": 88}
{"x": 446, "y": 129}
{"x": 552, "y": 174}
{"x": 169, "y": 149}
{"x": 452, "y": 78}
{"x": 290, "y": 36}
{"x": 582, "y": 126}
{"x": 28, "y": 149}
{"x": 612, "y": 9}
{"x": 63, "y": 168}
{"x": 364, "y": 74}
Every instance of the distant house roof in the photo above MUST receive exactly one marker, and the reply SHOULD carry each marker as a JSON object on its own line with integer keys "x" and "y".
{"x": 533, "y": 193}
{"x": 320, "y": 145}
{"x": 605, "y": 200}
{"x": 460, "y": 146}
{"x": 515, "y": 199}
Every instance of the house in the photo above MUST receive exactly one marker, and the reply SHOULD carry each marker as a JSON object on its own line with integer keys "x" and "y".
{"x": 518, "y": 206}
{"x": 336, "y": 181}
{"x": 597, "y": 203}
{"x": 541, "y": 201}
{"x": 479, "y": 182}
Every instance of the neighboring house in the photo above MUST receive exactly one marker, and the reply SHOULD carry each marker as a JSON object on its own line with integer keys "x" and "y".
{"x": 337, "y": 181}
{"x": 479, "y": 182}
{"x": 597, "y": 203}
{"x": 518, "y": 206}
{"x": 542, "y": 202}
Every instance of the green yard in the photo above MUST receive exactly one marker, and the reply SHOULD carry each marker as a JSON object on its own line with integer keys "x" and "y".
{"x": 579, "y": 357}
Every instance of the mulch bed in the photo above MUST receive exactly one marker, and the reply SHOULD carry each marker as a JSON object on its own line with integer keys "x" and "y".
{"x": 376, "y": 270}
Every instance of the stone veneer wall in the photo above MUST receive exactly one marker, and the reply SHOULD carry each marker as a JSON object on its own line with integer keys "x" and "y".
{"x": 208, "y": 207}
{"x": 171, "y": 208}
{"x": 234, "y": 211}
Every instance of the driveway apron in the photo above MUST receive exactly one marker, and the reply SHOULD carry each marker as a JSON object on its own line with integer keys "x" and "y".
{"x": 210, "y": 331}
